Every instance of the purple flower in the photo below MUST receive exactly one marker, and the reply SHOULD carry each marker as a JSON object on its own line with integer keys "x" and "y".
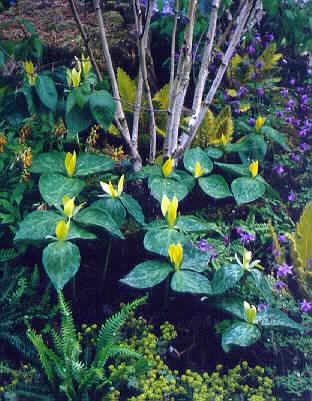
{"x": 245, "y": 237}
{"x": 279, "y": 169}
{"x": 291, "y": 103}
{"x": 288, "y": 120}
{"x": 282, "y": 238}
{"x": 227, "y": 239}
{"x": 251, "y": 50}
{"x": 284, "y": 270}
{"x": 262, "y": 307}
{"x": 292, "y": 196}
{"x": 292, "y": 81}
{"x": 242, "y": 91}
{"x": 303, "y": 133}
{"x": 304, "y": 98}
{"x": 283, "y": 61}
{"x": 204, "y": 246}
{"x": 279, "y": 285}
{"x": 260, "y": 91}
{"x": 251, "y": 121}
{"x": 295, "y": 157}
{"x": 167, "y": 8}
{"x": 259, "y": 64}
{"x": 309, "y": 71}
{"x": 303, "y": 147}
{"x": 269, "y": 37}
{"x": 279, "y": 114}
{"x": 284, "y": 92}
{"x": 258, "y": 37}
{"x": 276, "y": 252}
{"x": 305, "y": 306}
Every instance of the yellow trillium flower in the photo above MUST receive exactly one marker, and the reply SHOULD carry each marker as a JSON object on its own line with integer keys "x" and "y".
{"x": 167, "y": 167}
{"x": 70, "y": 163}
{"x": 110, "y": 190}
{"x": 247, "y": 256}
{"x": 175, "y": 252}
{"x": 198, "y": 170}
{"x": 61, "y": 230}
{"x": 254, "y": 168}
{"x": 30, "y": 72}
{"x": 250, "y": 312}
{"x": 259, "y": 122}
{"x": 169, "y": 209}
{"x": 86, "y": 65}
{"x": 69, "y": 206}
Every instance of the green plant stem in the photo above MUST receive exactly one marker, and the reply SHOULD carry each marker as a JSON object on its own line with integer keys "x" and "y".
{"x": 106, "y": 264}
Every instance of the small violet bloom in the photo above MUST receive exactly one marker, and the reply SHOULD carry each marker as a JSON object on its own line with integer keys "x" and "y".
{"x": 251, "y": 121}
{"x": 260, "y": 91}
{"x": 262, "y": 308}
{"x": 284, "y": 270}
{"x": 279, "y": 285}
{"x": 245, "y": 237}
{"x": 251, "y": 50}
{"x": 204, "y": 246}
{"x": 295, "y": 157}
{"x": 292, "y": 81}
{"x": 259, "y": 64}
{"x": 303, "y": 147}
{"x": 279, "y": 169}
{"x": 292, "y": 196}
{"x": 305, "y": 306}
{"x": 282, "y": 238}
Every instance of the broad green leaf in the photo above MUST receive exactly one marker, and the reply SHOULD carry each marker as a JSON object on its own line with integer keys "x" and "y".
{"x": 147, "y": 274}
{"x": 102, "y": 107}
{"x": 262, "y": 284}
{"x": 276, "y": 136}
{"x": 275, "y": 318}
{"x": 53, "y": 187}
{"x": 50, "y": 162}
{"x": 184, "y": 178}
{"x": 214, "y": 153}
{"x": 234, "y": 169}
{"x": 194, "y": 259}
{"x": 193, "y": 155}
{"x": 61, "y": 261}
{"x": 241, "y": 334}
{"x": 78, "y": 119}
{"x": 159, "y": 241}
{"x": 160, "y": 186}
{"x": 133, "y": 207}
{"x": 226, "y": 277}
{"x": 192, "y": 224}
{"x": 89, "y": 163}
{"x": 247, "y": 190}
{"x": 190, "y": 281}
{"x": 146, "y": 172}
{"x": 215, "y": 186}
{"x": 78, "y": 232}
{"x": 231, "y": 304}
{"x": 113, "y": 207}
{"x": 256, "y": 148}
{"x": 100, "y": 218}
{"x": 37, "y": 225}
{"x": 46, "y": 91}
{"x": 81, "y": 94}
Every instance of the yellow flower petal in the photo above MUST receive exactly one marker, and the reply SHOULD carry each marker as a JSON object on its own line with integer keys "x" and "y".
{"x": 254, "y": 168}
{"x": 112, "y": 190}
{"x": 250, "y": 312}
{"x": 86, "y": 65}
{"x": 165, "y": 202}
{"x": 69, "y": 206}
{"x": 70, "y": 163}
{"x": 175, "y": 252}
{"x": 259, "y": 122}
{"x": 61, "y": 230}
{"x": 172, "y": 211}
{"x": 120, "y": 185}
{"x": 198, "y": 170}
{"x": 167, "y": 167}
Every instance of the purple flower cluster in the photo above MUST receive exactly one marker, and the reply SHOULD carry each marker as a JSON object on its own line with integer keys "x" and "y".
{"x": 279, "y": 285}
{"x": 305, "y": 306}
{"x": 204, "y": 246}
{"x": 284, "y": 270}
{"x": 245, "y": 236}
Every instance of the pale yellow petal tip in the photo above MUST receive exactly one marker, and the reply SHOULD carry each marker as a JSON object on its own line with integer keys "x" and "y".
{"x": 167, "y": 167}
{"x": 110, "y": 190}
{"x": 175, "y": 253}
{"x": 254, "y": 168}
{"x": 250, "y": 312}
{"x": 61, "y": 230}
{"x": 69, "y": 206}
{"x": 164, "y": 205}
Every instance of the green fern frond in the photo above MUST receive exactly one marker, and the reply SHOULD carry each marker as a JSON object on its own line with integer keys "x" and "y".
{"x": 8, "y": 254}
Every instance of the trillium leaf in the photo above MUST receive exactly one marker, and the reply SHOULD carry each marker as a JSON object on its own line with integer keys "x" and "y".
{"x": 262, "y": 284}
{"x": 192, "y": 224}
{"x": 194, "y": 259}
{"x": 236, "y": 170}
{"x": 78, "y": 119}
{"x": 160, "y": 186}
{"x": 89, "y": 163}
{"x": 215, "y": 186}
{"x": 226, "y": 277}
{"x": 50, "y": 162}
{"x": 190, "y": 281}
{"x": 46, "y": 91}
{"x": 158, "y": 241}
{"x": 147, "y": 274}
{"x": 53, "y": 187}
{"x": 214, "y": 153}
{"x": 184, "y": 178}
{"x": 61, "y": 261}
{"x": 241, "y": 334}
{"x": 102, "y": 107}
{"x": 247, "y": 190}
{"x": 133, "y": 207}
{"x": 231, "y": 304}
{"x": 193, "y": 155}
{"x": 276, "y": 136}
{"x": 275, "y": 318}
{"x": 256, "y": 148}
{"x": 100, "y": 218}
{"x": 113, "y": 207}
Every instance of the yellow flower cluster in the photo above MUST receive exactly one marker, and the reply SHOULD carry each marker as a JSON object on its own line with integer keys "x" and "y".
{"x": 25, "y": 376}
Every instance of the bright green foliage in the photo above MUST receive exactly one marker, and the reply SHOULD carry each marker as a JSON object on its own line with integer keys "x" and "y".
{"x": 69, "y": 374}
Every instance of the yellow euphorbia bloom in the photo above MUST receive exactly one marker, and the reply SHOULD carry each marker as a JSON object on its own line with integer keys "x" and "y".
{"x": 167, "y": 167}
{"x": 250, "y": 312}
{"x": 254, "y": 168}
{"x": 86, "y": 65}
{"x": 70, "y": 163}
{"x": 69, "y": 206}
{"x": 175, "y": 252}
{"x": 30, "y": 72}
{"x": 198, "y": 170}
{"x": 110, "y": 190}
{"x": 169, "y": 209}
{"x": 259, "y": 122}
{"x": 61, "y": 230}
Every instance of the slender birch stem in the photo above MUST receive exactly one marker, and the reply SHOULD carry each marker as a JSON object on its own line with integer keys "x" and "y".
{"x": 195, "y": 123}
{"x": 85, "y": 38}
{"x": 119, "y": 115}
{"x": 137, "y": 110}
{"x": 182, "y": 79}
{"x": 172, "y": 64}
{"x": 142, "y": 33}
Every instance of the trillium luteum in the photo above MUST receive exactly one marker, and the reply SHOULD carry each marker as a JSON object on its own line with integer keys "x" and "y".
{"x": 110, "y": 190}
{"x": 62, "y": 229}
{"x": 69, "y": 206}
{"x": 247, "y": 263}
{"x": 250, "y": 312}
{"x": 167, "y": 167}
{"x": 254, "y": 168}
{"x": 30, "y": 72}
{"x": 175, "y": 253}
{"x": 74, "y": 75}
{"x": 198, "y": 170}
{"x": 169, "y": 209}
{"x": 70, "y": 163}
{"x": 259, "y": 122}
{"x": 86, "y": 65}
